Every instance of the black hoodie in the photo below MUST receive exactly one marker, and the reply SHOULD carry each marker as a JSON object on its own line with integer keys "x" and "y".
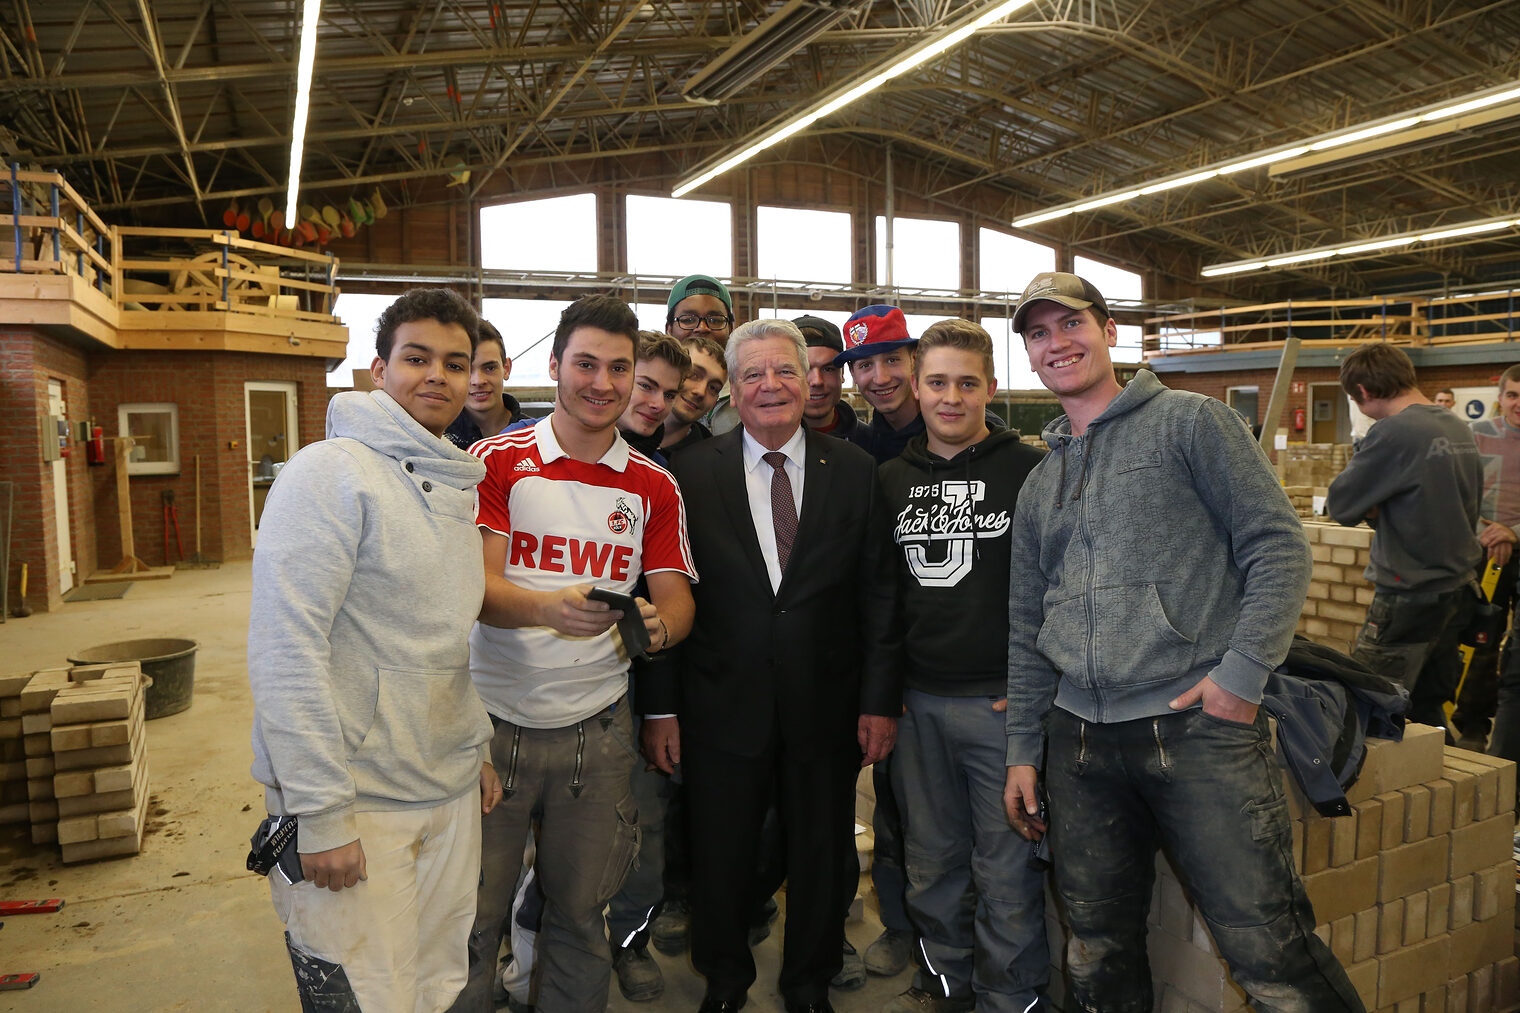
{"x": 955, "y": 583}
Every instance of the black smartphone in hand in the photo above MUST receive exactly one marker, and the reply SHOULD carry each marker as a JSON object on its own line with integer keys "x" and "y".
{"x": 631, "y": 627}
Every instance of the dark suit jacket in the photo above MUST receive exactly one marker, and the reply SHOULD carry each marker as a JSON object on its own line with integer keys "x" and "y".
{"x": 805, "y": 661}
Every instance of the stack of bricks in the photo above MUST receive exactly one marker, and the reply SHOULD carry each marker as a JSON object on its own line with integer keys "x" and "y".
{"x": 1414, "y": 891}
{"x": 13, "y": 804}
{"x": 100, "y": 762}
{"x": 1338, "y": 595}
{"x": 37, "y": 725}
{"x": 1314, "y": 464}
{"x": 1302, "y": 498}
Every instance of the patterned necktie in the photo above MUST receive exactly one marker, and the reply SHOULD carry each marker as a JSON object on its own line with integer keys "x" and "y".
{"x": 783, "y": 509}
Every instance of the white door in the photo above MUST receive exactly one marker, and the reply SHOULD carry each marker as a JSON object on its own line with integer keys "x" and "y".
{"x": 56, "y": 407}
{"x": 269, "y": 409}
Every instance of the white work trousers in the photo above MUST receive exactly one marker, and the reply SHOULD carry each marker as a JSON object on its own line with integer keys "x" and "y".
{"x": 402, "y": 935}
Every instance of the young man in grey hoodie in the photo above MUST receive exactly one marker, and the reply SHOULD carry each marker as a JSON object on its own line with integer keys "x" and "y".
{"x": 1157, "y": 571}
{"x": 366, "y": 726}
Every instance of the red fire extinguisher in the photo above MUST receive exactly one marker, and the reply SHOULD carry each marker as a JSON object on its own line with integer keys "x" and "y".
{"x": 95, "y": 451}
{"x": 1298, "y": 419}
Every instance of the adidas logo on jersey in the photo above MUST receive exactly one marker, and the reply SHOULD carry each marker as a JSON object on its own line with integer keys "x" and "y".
{"x": 526, "y": 465}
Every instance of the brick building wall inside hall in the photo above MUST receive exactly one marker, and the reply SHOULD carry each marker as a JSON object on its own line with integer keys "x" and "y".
{"x": 208, "y": 388}
{"x": 28, "y": 360}
{"x": 1216, "y": 384}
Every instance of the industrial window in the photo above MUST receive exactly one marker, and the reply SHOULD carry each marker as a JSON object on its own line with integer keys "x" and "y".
{"x": 527, "y": 330}
{"x": 1009, "y": 263}
{"x": 155, "y": 426}
{"x": 1009, "y": 359}
{"x": 680, "y": 237}
{"x": 793, "y": 244}
{"x": 359, "y": 312}
{"x": 926, "y": 253}
{"x": 550, "y": 235}
{"x": 1115, "y": 283}
{"x": 1117, "y": 286}
{"x": 651, "y": 314}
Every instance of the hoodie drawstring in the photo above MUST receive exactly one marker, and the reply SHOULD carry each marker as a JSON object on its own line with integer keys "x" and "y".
{"x": 1087, "y": 453}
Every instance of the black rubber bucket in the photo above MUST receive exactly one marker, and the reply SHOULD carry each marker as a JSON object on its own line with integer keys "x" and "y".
{"x": 170, "y": 663}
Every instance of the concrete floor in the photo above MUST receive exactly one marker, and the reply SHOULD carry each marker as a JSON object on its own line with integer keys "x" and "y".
{"x": 183, "y": 926}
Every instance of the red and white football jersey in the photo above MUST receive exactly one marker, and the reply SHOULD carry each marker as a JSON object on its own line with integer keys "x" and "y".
{"x": 568, "y": 522}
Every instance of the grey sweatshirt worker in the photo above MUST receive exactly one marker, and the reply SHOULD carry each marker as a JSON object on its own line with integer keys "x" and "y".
{"x": 366, "y": 582}
{"x": 1420, "y": 467}
{"x": 1155, "y": 549}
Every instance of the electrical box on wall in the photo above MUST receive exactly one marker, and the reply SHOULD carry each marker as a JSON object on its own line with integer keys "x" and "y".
{"x": 55, "y": 438}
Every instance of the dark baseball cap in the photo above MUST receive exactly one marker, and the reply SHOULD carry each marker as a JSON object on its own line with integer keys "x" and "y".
{"x": 826, "y": 334}
{"x": 1059, "y": 287}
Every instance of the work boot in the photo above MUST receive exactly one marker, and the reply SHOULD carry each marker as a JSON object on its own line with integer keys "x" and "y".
{"x": 638, "y": 976}
{"x": 671, "y": 928}
{"x": 916, "y": 1000}
{"x": 888, "y": 956}
{"x": 852, "y": 973}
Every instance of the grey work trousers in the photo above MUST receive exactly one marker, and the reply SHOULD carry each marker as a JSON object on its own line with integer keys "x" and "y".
{"x": 978, "y": 906}
{"x": 573, "y": 782}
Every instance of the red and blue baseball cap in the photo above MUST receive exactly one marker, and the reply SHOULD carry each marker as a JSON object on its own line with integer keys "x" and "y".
{"x": 873, "y": 330}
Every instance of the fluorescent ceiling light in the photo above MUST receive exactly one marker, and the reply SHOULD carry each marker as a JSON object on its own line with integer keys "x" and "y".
{"x": 309, "y": 13}
{"x": 1356, "y": 249}
{"x": 795, "y": 25}
{"x": 1466, "y": 230}
{"x": 901, "y": 64}
{"x": 1350, "y": 135}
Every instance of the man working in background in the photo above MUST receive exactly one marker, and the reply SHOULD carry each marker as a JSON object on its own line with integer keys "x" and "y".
{"x": 1418, "y": 480}
{"x": 1489, "y": 677}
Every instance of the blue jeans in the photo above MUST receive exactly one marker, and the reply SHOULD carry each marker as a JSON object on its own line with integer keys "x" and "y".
{"x": 978, "y": 906}
{"x": 1209, "y": 792}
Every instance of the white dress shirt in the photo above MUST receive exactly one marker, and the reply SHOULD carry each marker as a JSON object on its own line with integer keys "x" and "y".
{"x": 757, "y": 483}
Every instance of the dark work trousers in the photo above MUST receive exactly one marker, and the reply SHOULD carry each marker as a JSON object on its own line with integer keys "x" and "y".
{"x": 727, "y": 796}
{"x": 979, "y": 907}
{"x": 888, "y": 875}
{"x": 1411, "y": 637}
{"x": 636, "y": 904}
{"x": 1478, "y": 701}
{"x": 574, "y": 782}
{"x": 1209, "y": 792}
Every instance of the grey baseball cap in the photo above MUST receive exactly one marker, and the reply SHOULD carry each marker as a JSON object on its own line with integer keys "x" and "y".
{"x": 1059, "y": 287}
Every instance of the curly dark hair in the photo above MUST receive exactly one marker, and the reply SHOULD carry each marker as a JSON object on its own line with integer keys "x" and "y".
{"x": 441, "y": 304}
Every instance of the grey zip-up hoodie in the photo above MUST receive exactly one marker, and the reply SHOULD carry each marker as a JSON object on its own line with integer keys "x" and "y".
{"x": 1153, "y": 550}
{"x": 366, "y": 582}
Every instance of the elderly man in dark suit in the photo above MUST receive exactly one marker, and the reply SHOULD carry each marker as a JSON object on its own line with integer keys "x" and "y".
{"x": 789, "y": 682}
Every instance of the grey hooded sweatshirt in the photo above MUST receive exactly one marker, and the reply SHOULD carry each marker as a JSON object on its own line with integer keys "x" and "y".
{"x": 1155, "y": 549}
{"x": 366, "y": 582}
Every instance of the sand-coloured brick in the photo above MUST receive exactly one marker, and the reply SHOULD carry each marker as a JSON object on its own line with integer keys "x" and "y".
{"x": 1479, "y": 845}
